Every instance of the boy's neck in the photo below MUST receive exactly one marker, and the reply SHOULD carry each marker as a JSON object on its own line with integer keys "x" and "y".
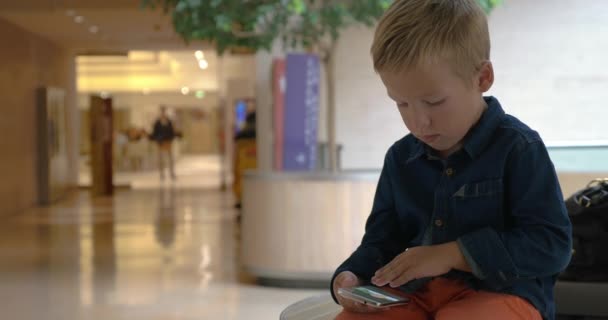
{"x": 444, "y": 154}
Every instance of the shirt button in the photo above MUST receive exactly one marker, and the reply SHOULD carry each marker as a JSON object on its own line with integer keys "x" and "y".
{"x": 449, "y": 172}
{"x": 439, "y": 222}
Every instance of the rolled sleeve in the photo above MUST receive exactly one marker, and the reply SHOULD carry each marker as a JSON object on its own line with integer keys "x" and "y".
{"x": 475, "y": 268}
{"x": 537, "y": 240}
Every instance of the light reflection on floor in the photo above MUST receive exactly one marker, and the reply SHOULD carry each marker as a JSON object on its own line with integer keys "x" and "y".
{"x": 152, "y": 253}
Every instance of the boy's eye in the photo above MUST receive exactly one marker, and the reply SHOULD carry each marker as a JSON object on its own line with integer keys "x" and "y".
{"x": 402, "y": 105}
{"x": 434, "y": 103}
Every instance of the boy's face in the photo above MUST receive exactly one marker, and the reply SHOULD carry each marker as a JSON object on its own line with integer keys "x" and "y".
{"x": 437, "y": 106}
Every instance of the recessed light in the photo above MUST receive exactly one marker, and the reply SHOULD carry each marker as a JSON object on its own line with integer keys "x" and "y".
{"x": 203, "y": 64}
{"x": 93, "y": 29}
{"x": 185, "y": 90}
{"x": 199, "y": 55}
{"x": 79, "y": 19}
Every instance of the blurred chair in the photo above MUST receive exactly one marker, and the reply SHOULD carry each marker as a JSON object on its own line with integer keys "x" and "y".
{"x": 320, "y": 307}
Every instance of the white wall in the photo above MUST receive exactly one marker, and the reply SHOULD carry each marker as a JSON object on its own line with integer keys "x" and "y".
{"x": 368, "y": 122}
{"x": 551, "y": 72}
{"x": 551, "y": 66}
{"x": 264, "y": 105}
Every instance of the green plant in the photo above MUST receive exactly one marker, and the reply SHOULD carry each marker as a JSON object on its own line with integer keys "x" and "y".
{"x": 256, "y": 24}
{"x": 489, "y": 5}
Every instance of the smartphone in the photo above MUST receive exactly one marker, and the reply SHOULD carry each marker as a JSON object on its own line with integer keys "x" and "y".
{"x": 373, "y": 296}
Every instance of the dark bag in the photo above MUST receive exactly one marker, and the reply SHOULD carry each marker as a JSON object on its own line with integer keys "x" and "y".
{"x": 588, "y": 211}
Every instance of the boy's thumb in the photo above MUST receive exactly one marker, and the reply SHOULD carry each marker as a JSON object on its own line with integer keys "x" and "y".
{"x": 349, "y": 278}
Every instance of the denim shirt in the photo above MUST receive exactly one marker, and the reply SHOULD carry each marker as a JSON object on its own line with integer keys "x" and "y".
{"x": 498, "y": 197}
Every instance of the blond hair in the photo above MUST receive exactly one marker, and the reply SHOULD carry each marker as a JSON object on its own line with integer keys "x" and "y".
{"x": 417, "y": 31}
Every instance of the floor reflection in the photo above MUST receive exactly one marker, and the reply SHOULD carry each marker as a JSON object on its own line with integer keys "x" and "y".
{"x": 165, "y": 253}
{"x": 166, "y": 220}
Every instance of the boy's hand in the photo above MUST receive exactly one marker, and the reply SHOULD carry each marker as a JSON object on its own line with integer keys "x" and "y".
{"x": 421, "y": 262}
{"x": 348, "y": 279}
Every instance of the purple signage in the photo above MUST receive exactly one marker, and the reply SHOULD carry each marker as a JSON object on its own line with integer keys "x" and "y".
{"x": 301, "y": 115}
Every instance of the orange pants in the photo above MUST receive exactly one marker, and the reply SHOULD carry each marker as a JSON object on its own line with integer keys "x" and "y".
{"x": 443, "y": 299}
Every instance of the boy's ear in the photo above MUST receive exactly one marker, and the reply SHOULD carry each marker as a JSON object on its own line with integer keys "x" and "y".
{"x": 485, "y": 77}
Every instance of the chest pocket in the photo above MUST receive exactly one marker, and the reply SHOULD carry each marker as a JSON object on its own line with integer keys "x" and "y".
{"x": 478, "y": 204}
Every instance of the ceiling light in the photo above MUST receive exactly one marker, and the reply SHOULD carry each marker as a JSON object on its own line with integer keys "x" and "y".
{"x": 200, "y": 94}
{"x": 70, "y": 13}
{"x": 199, "y": 55}
{"x": 203, "y": 64}
{"x": 79, "y": 19}
{"x": 185, "y": 90}
{"x": 93, "y": 29}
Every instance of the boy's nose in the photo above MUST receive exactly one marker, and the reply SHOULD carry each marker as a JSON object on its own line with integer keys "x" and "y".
{"x": 423, "y": 121}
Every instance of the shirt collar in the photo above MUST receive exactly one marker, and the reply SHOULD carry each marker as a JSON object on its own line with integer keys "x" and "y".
{"x": 419, "y": 150}
{"x": 481, "y": 134}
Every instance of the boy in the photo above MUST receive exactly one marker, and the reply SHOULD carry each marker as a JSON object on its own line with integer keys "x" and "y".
{"x": 468, "y": 219}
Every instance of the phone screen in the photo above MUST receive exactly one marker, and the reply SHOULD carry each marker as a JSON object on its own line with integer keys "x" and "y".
{"x": 373, "y": 296}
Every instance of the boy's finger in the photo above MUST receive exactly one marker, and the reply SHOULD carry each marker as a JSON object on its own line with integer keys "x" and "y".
{"x": 407, "y": 276}
{"x": 393, "y": 265}
{"x": 379, "y": 281}
{"x": 384, "y": 271}
{"x": 383, "y": 279}
{"x": 349, "y": 280}
{"x": 345, "y": 281}
{"x": 391, "y": 273}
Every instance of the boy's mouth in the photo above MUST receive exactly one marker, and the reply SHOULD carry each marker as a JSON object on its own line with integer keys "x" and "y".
{"x": 429, "y": 138}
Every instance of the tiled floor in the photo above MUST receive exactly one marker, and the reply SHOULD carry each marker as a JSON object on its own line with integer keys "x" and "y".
{"x": 156, "y": 253}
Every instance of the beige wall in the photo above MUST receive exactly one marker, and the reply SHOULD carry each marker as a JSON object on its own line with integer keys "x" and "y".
{"x": 26, "y": 63}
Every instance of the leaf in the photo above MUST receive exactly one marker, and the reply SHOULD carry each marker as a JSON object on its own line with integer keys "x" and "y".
{"x": 256, "y": 24}
{"x": 298, "y": 6}
{"x": 223, "y": 23}
{"x": 385, "y": 4}
{"x": 194, "y": 3}
{"x": 181, "y": 6}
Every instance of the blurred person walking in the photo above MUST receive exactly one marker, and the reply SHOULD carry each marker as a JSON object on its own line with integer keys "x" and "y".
{"x": 163, "y": 134}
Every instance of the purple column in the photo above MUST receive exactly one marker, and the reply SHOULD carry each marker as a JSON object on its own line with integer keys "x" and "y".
{"x": 301, "y": 115}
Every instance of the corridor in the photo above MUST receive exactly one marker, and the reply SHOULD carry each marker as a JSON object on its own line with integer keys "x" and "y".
{"x": 163, "y": 252}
